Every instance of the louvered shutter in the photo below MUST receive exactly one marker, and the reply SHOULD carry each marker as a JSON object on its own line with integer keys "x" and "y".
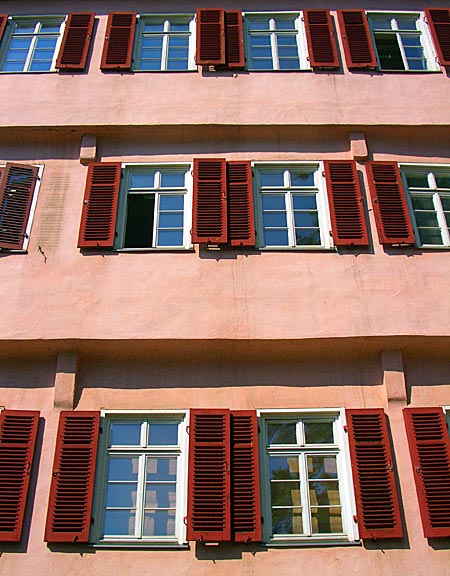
{"x": 439, "y": 22}
{"x": 245, "y": 503}
{"x": 18, "y": 431}
{"x": 241, "y": 217}
{"x": 389, "y": 203}
{"x": 3, "y": 22}
{"x": 98, "y": 218}
{"x": 76, "y": 40}
{"x": 429, "y": 446}
{"x": 321, "y": 39}
{"x": 377, "y": 503}
{"x": 234, "y": 39}
{"x": 346, "y": 203}
{"x": 16, "y": 196}
{"x": 210, "y": 37}
{"x": 356, "y": 38}
{"x": 119, "y": 38}
{"x": 209, "y": 476}
{"x": 72, "y": 486}
{"x": 209, "y": 201}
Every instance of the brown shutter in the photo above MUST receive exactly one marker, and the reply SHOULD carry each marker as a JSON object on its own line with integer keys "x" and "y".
{"x": 209, "y": 201}
{"x": 209, "y": 476}
{"x": 321, "y": 39}
{"x": 18, "y": 431}
{"x": 241, "y": 216}
{"x": 439, "y": 22}
{"x": 210, "y": 37}
{"x": 346, "y": 203}
{"x": 101, "y": 196}
{"x": 72, "y": 486}
{"x": 429, "y": 446}
{"x": 245, "y": 503}
{"x": 76, "y": 40}
{"x": 356, "y": 38}
{"x": 119, "y": 38}
{"x": 3, "y": 23}
{"x": 234, "y": 39}
{"x": 377, "y": 503}
{"x": 16, "y": 196}
{"x": 389, "y": 203}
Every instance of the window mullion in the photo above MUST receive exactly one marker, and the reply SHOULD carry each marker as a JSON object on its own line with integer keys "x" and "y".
{"x": 441, "y": 218}
{"x": 140, "y": 496}
{"x": 156, "y": 220}
{"x": 304, "y": 494}
{"x": 274, "y": 45}
{"x": 165, "y": 46}
{"x": 32, "y": 47}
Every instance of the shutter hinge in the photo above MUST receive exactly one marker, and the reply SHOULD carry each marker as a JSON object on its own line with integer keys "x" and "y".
{"x": 355, "y": 519}
{"x": 92, "y": 520}
{"x": 345, "y": 429}
{"x": 101, "y": 430}
{"x": 188, "y": 430}
{"x": 259, "y": 430}
{"x": 262, "y": 519}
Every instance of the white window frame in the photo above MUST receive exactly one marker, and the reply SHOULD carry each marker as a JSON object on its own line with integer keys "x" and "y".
{"x": 187, "y": 210}
{"x": 341, "y": 449}
{"x": 182, "y": 418}
{"x": 432, "y": 191}
{"x": 302, "y": 48}
{"x": 323, "y": 211}
{"x": 422, "y": 28}
{"x": 185, "y": 17}
{"x": 38, "y": 19}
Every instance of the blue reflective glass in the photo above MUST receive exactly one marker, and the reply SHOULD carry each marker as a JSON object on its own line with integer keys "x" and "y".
{"x": 23, "y": 43}
{"x": 405, "y": 23}
{"x": 170, "y": 237}
{"x": 121, "y": 495}
{"x": 152, "y": 42}
{"x": 258, "y": 24}
{"x": 284, "y": 24}
{"x": 306, "y": 219}
{"x": 276, "y": 238}
{"x": 163, "y": 434}
{"x": 161, "y": 469}
{"x": 17, "y": 55}
{"x": 262, "y": 64}
{"x": 123, "y": 468}
{"x": 286, "y": 40}
{"x": 150, "y": 65}
{"x": 417, "y": 64}
{"x": 288, "y": 52}
{"x": 304, "y": 202}
{"x": 305, "y": 237}
{"x": 178, "y": 53}
{"x": 50, "y": 28}
{"x": 43, "y": 55}
{"x": 179, "y": 41}
{"x": 12, "y": 67}
{"x": 262, "y": 52}
{"x": 171, "y": 202}
{"x": 273, "y": 202}
{"x": 381, "y": 22}
{"x": 154, "y": 27}
{"x": 272, "y": 178}
{"x": 119, "y": 522}
{"x": 171, "y": 220}
{"x": 172, "y": 180}
{"x": 302, "y": 178}
{"x": 289, "y": 63}
{"x": 126, "y": 433}
{"x": 40, "y": 66}
{"x": 274, "y": 219}
{"x": 48, "y": 43}
{"x": 179, "y": 27}
{"x": 151, "y": 53}
{"x": 160, "y": 495}
{"x": 177, "y": 64}
{"x": 260, "y": 40}
{"x": 24, "y": 27}
{"x": 159, "y": 522}
{"x": 283, "y": 467}
{"x": 413, "y": 52}
{"x": 142, "y": 179}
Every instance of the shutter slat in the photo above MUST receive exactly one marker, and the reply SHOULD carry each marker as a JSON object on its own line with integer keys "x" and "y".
{"x": 210, "y": 37}
{"x": 439, "y": 22}
{"x": 389, "y": 203}
{"x": 429, "y": 446}
{"x": 234, "y": 40}
{"x": 119, "y": 38}
{"x": 16, "y": 195}
{"x": 356, "y": 38}
{"x": 76, "y": 40}
{"x": 3, "y": 23}
{"x": 377, "y": 502}
{"x": 346, "y": 203}
{"x": 321, "y": 40}
{"x": 72, "y": 486}
{"x": 98, "y": 218}
{"x": 241, "y": 214}
{"x": 18, "y": 431}
{"x": 209, "y": 201}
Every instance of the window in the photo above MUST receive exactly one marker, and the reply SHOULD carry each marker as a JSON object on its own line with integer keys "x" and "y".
{"x": 429, "y": 197}
{"x": 292, "y": 206}
{"x": 276, "y": 42}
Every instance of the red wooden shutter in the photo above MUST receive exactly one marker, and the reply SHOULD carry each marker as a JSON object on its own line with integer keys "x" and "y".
{"x": 439, "y": 21}
{"x": 389, "y": 203}
{"x": 346, "y": 206}
{"x": 429, "y": 445}
{"x": 101, "y": 196}
{"x": 234, "y": 39}
{"x": 209, "y": 201}
{"x": 321, "y": 40}
{"x": 18, "y": 431}
{"x": 3, "y": 22}
{"x": 245, "y": 503}
{"x": 209, "y": 476}
{"x": 210, "y": 37}
{"x": 377, "y": 503}
{"x": 241, "y": 216}
{"x": 16, "y": 195}
{"x": 75, "y": 43}
{"x": 72, "y": 487}
{"x": 357, "y": 41}
{"x": 119, "y": 38}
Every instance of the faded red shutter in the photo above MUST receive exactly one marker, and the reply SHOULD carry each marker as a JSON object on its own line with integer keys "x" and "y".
{"x": 209, "y": 201}
{"x": 3, "y": 22}
{"x": 377, "y": 502}
{"x": 234, "y": 39}
{"x": 245, "y": 503}
{"x": 356, "y": 38}
{"x": 18, "y": 431}
{"x": 389, "y": 203}
{"x": 210, "y": 37}
{"x": 241, "y": 216}
{"x": 76, "y": 40}
{"x": 321, "y": 39}
{"x": 209, "y": 476}
{"x": 439, "y": 22}
{"x": 16, "y": 196}
{"x": 101, "y": 196}
{"x": 346, "y": 203}
{"x": 72, "y": 486}
{"x": 429, "y": 445}
{"x": 119, "y": 38}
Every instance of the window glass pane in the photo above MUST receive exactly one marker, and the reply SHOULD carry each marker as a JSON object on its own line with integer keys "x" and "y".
{"x": 150, "y": 64}
{"x": 160, "y": 496}
{"x": 269, "y": 179}
{"x": 139, "y": 226}
{"x": 177, "y": 64}
{"x": 170, "y": 238}
{"x": 121, "y": 495}
{"x": 389, "y": 52}
{"x": 142, "y": 179}
{"x": 422, "y": 202}
{"x": 326, "y": 520}
{"x": 285, "y": 493}
{"x": 257, "y": 41}
{"x": 126, "y": 433}
{"x": 406, "y": 23}
{"x": 273, "y": 202}
{"x": 322, "y": 467}
{"x": 123, "y": 468}
{"x": 305, "y": 237}
{"x": 49, "y": 28}
{"x": 173, "y": 180}
{"x": 287, "y": 521}
{"x": 324, "y": 493}
{"x": 304, "y": 202}
{"x": 445, "y": 203}
{"x": 274, "y": 219}
{"x": 171, "y": 202}
{"x": 171, "y": 220}
{"x": 152, "y": 42}
{"x": 430, "y": 236}
{"x": 417, "y": 180}
{"x": 163, "y": 434}
{"x": 417, "y": 64}
{"x": 13, "y": 66}
{"x": 159, "y": 523}
{"x": 258, "y": 23}
{"x": 283, "y": 467}
{"x": 154, "y": 27}
{"x": 381, "y": 22}
{"x": 20, "y": 43}
{"x": 302, "y": 178}
{"x": 426, "y": 219}
{"x": 288, "y": 63}
{"x": 276, "y": 238}
{"x": 120, "y": 522}
{"x": 442, "y": 181}
{"x": 285, "y": 24}
{"x": 263, "y": 64}
{"x": 281, "y": 433}
{"x": 262, "y": 52}
{"x": 178, "y": 42}
{"x": 177, "y": 27}
{"x": 306, "y": 219}
{"x": 40, "y": 66}
{"x": 161, "y": 468}
{"x": 319, "y": 433}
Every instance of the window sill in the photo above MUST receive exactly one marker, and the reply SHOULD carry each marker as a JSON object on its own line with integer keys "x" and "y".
{"x": 189, "y": 70}
{"x": 28, "y": 71}
{"x": 169, "y": 545}
{"x": 141, "y": 250}
{"x": 297, "y": 249}
{"x": 412, "y": 72}
{"x": 308, "y": 542}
